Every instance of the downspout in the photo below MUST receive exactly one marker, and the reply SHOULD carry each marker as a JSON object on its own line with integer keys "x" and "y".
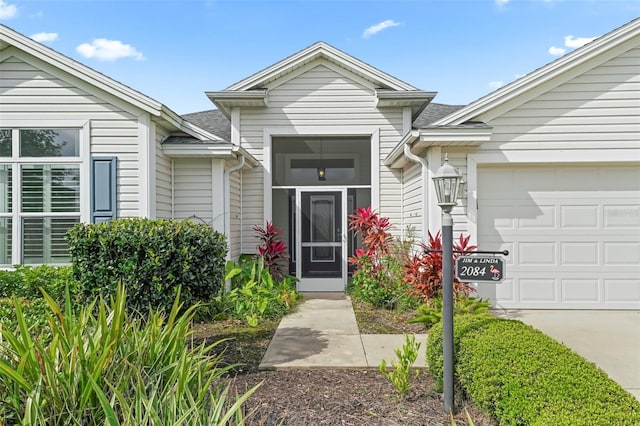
{"x": 227, "y": 198}
{"x": 425, "y": 174}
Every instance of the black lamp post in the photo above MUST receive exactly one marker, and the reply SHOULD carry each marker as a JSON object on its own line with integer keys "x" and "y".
{"x": 447, "y": 183}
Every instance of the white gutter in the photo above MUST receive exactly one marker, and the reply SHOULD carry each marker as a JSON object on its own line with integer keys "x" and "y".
{"x": 425, "y": 182}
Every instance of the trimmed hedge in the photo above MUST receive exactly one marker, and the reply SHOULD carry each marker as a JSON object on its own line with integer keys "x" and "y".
{"x": 151, "y": 258}
{"x": 523, "y": 377}
{"x": 25, "y": 283}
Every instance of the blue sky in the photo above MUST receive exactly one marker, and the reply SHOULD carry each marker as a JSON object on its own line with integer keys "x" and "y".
{"x": 174, "y": 51}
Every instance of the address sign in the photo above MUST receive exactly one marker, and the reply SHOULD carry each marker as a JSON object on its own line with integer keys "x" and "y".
{"x": 480, "y": 269}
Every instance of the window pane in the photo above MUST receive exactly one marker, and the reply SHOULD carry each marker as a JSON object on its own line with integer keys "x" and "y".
{"x": 6, "y": 189}
{"x": 50, "y": 143}
{"x": 44, "y": 239}
{"x": 50, "y": 188}
{"x": 5, "y": 241}
{"x": 5, "y": 142}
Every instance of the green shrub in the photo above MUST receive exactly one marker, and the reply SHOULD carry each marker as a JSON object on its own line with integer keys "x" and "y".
{"x": 23, "y": 283}
{"x": 151, "y": 258}
{"x": 400, "y": 373}
{"x": 255, "y": 294}
{"x": 430, "y": 314}
{"x": 523, "y": 377}
{"x": 105, "y": 367}
{"x": 26, "y": 281}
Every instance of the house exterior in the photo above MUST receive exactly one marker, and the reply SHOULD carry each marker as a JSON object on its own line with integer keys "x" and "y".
{"x": 551, "y": 164}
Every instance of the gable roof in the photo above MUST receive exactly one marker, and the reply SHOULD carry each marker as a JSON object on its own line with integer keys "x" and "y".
{"x": 542, "y": 75}
{"x": 9, "y": 37}
{"x": 320, "y": 50}
{"x": 252, "y": 91}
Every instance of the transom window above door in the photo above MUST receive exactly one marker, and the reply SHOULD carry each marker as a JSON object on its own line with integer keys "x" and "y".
{"x": 313, "y": 161}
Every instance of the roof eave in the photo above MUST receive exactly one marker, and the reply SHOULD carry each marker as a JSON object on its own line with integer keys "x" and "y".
{"x": 226, "y": 99}
{"x": 79, "y": 70}
{"x": 319, "y": 49}
{"x": 421, "y": 139}
{"x": 543, "y": 74}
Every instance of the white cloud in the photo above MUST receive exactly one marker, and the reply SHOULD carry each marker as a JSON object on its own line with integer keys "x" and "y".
{"x": 572, "y": 42}
{"x": 375, "y": 29}
{"x": 557, "y": 51}
{"x": 8, "y": 11}
{"x": 496, "y": 84}
{"x": 501, "y": 3}
{"x": 108, "y": 50}
{"x": 45, "y": 37}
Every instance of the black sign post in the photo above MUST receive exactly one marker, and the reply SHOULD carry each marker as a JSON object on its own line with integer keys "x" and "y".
{"x": 480, "y": 269}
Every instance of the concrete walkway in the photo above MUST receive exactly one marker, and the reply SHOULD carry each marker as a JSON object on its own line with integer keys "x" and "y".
{"x": 323, "y": 333}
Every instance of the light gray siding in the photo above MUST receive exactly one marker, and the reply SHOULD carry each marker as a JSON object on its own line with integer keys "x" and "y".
{"x": 30, "y": 95}
{"x": 599, "y": 106}
{"x": 235, "y": 214}
{"x": 412, "y": 198}
{"x": 193, "y": 189}
{"x": 163, "y": 178}
{"x": 321, "y": 97}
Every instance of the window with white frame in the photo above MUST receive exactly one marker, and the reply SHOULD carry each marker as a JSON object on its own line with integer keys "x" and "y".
{"x": 39, "y": 194}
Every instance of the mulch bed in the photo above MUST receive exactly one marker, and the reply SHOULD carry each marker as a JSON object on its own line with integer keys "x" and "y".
{"x": 344, "y": 397}
{"x": 328, "y": 397}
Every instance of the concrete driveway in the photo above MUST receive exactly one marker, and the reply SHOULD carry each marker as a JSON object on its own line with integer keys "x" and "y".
{"x": 609, "y": 339}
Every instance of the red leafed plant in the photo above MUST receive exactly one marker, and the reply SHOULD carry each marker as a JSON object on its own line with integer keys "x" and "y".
{"x": 273, "y": 250}
{"x": 424, "y": 270}
{"x": 374, "y": 230}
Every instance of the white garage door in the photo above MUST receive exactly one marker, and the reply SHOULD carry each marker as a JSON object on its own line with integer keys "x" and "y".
{"x": 573, "y": 234}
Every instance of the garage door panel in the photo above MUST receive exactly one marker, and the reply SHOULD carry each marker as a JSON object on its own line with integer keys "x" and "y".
{"x": 622, "y": 253}
{"x": 580, "y": 253}
{"x": 538, "y": 290}
{"x": 540, "y": 217}
{"x": 573, "y": 234}
{"x": 583, "y": 290}
{"x": 580, "y": 216}
{"x": 622, "y": 216}
{"x": 537, "y": 253}
{"x": 622, "y": 290}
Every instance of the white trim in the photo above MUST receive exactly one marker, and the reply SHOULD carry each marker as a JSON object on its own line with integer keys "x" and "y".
{"x": 143, "y": 166}
{"x": 375, "y": 170}
{"x": 319, "y": 284}
{"x": 151, "y": 167}
{"x": 269, "y": 132}
{"x": 85, "y": 172}
{"x": 173, "y": 189}
{"x": 218, "y": 206}
{"x": 407, "y": 120}
{"x": 235, "y": 126}
{"x": 311, "y": 53}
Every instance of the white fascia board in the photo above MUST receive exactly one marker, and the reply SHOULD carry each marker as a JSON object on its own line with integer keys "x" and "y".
{"x": 395, "y": 158}
{"x": 225, "y": 151}
{"x": 79, "y": 70}
{"x": 455, "y": 134}
{"x": 543, "y": 74}
{"x": 316, "y": 50}
{"x": 199, "y": 150}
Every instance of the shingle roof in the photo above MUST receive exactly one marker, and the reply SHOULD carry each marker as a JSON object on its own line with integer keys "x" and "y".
{"x": 212, "y": 121}
{"x": 191, "y": 140}
{"x": 434, "y": 112}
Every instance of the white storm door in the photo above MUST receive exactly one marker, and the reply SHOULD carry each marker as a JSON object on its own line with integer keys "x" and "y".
{"x": 321, "y": 236}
